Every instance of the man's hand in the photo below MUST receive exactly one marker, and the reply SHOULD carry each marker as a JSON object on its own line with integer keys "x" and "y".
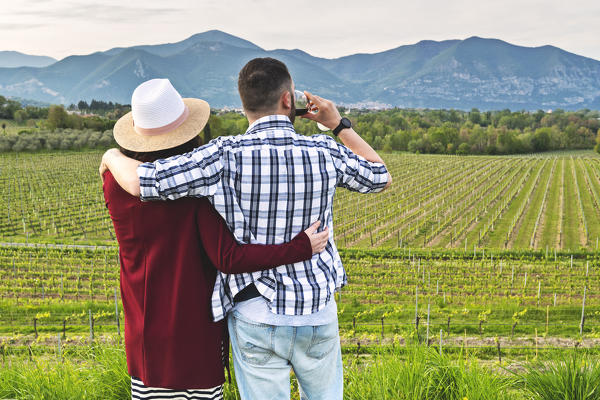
{"x": 328, "y": 114}
{"x": 318, "y": 240}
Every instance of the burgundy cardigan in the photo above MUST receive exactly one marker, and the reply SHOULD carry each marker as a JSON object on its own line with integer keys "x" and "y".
{"x": 168, "y": 254}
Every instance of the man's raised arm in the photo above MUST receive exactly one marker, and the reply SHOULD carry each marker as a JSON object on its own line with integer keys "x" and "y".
{"x": 329, "y": 116}
{"x": 194, "y": 174}
{"x": 123, "y": 168}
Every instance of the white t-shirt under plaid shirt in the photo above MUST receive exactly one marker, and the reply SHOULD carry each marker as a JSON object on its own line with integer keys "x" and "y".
{"x": 270, "y": 184}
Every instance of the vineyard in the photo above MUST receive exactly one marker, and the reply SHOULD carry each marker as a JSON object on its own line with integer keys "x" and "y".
{"x": 493, "y": 256}
{"x": 540, "y": 202}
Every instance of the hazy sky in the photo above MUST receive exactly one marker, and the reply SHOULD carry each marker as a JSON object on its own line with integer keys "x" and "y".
{"x": 323, "y": 28}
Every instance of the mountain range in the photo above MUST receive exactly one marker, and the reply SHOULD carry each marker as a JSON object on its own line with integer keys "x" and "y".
{"x": 475, "y": 72}
{"x": 12, "y": 59}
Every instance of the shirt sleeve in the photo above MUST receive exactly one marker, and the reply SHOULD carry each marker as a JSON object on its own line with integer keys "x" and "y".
{"x": 355, "y": 172}
{"x": 231, "y": 257}
{"x": 195, "y": 174}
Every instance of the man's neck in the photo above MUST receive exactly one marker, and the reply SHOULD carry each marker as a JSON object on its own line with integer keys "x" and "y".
{"x": 253, "y": 117}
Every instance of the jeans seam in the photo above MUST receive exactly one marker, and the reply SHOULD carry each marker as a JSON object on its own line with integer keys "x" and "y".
{"x": 293, "y": 343}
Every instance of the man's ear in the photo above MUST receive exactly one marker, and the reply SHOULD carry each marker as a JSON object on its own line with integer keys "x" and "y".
{"x": 286, "y": 99}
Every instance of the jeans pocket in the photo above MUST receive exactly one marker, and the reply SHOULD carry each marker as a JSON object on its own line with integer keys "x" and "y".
{"x": 325, "y": 339}
{"x": 254, "y": 341}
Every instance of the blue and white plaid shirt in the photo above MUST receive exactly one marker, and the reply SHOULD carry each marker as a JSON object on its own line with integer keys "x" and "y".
{"x": 269, "y": 185}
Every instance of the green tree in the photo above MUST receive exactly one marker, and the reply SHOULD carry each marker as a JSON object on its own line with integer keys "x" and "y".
{"x": 475, "y": 116}
{"x": 57, "y": 117}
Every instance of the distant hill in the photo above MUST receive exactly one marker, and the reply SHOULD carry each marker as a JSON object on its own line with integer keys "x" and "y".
{"x": 13, "y": 59}
{"x": 462, "y": 74}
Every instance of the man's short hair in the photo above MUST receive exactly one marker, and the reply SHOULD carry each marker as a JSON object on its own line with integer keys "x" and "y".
{"x": 261, "y": 82}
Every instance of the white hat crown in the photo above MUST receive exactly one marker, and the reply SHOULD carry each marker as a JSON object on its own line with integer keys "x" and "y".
{"x": 156, "y": 104}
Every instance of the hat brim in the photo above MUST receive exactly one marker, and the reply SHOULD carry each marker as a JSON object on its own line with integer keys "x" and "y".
{"x": 128, "y": 138}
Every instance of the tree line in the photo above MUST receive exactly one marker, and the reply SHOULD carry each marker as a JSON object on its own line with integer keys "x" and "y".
{"x": 412, "y": 130}
{"x": 456, "y": 132}
{"x": 58, "y": 139}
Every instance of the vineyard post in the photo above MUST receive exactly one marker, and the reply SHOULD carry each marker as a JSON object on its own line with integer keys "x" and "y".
{"x": 59, "y": 347}
{"x": 582, "y": 312}
{"x": 571, "y": 260}
{"x": 539, "y": 292}
{"x": 35, "y": 327}
{"x": 91, "y": 325}
{"x": 382, "y": 329}
{"x": 498, "y": 346}
{"x": 428, "y": 324}
{"x": 512, "y": 278}
{"x": 64, "y": 335}
{"x": 536, "y": 343}
{"x": 117, "y": 314}
{"x": 587, "y": 268}
{"x": 441, "y": 333}
{"x": 554, "y": 300}
{"x": 547, "y": 318}
{"x": 417, "y": 309}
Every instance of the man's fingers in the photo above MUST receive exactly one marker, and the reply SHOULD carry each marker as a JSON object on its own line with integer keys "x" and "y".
{"x": 313, "y": 228}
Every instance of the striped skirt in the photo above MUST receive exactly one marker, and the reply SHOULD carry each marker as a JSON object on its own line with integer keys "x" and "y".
{"x": 141, "y": 391}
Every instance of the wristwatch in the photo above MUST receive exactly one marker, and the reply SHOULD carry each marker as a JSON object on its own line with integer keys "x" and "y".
{"x": 344, "y": 124}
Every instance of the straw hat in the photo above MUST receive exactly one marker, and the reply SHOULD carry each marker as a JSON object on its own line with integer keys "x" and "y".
{"x": 159, "y": 118}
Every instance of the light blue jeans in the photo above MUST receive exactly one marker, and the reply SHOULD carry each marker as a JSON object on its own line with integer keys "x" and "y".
{"x": 264, "y": 354}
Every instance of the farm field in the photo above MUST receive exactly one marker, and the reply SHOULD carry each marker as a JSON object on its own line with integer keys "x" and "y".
{"x": 486, "y": 259}
{"x": 542, "y": 201}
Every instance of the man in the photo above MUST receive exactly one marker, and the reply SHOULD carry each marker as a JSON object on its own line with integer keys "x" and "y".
{"x": 268, "y": 184}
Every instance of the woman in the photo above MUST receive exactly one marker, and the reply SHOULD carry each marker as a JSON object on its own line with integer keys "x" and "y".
{"x": 167, "y": 254}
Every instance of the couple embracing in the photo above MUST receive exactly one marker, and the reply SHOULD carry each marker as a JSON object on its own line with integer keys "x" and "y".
{"x": 245, "y": 253}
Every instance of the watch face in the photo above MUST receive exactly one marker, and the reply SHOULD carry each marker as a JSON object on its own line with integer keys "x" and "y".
{"x": 346, "y": 123}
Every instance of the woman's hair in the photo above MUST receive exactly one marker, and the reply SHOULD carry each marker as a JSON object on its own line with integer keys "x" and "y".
{"x": 152, "y": 156}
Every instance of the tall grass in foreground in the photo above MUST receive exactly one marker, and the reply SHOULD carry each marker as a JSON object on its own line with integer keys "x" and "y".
{"x": 575, "y": 378}
{"x": 424, "y": 375}
{"x": 414, "y": 373}
{"x": 101, "y": 373}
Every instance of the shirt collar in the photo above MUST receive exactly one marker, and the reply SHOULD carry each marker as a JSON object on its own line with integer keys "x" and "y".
{"x": 275, "y": 121}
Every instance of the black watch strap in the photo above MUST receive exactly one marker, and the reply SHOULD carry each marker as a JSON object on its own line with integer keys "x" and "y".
{"x": 344, "y": 124}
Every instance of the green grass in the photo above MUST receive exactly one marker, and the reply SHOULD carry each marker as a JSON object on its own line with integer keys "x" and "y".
{"x": 549, "y": 225}
{"x": 571, "y": 223}
{"x": 526, "y": 229}
{"x": 575, "y": 377}
{"x": 402, "y": 373}
{"x": 13, "y": 127}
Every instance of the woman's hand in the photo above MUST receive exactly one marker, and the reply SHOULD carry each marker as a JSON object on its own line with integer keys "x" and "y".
{"x": 318, "y": 240}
